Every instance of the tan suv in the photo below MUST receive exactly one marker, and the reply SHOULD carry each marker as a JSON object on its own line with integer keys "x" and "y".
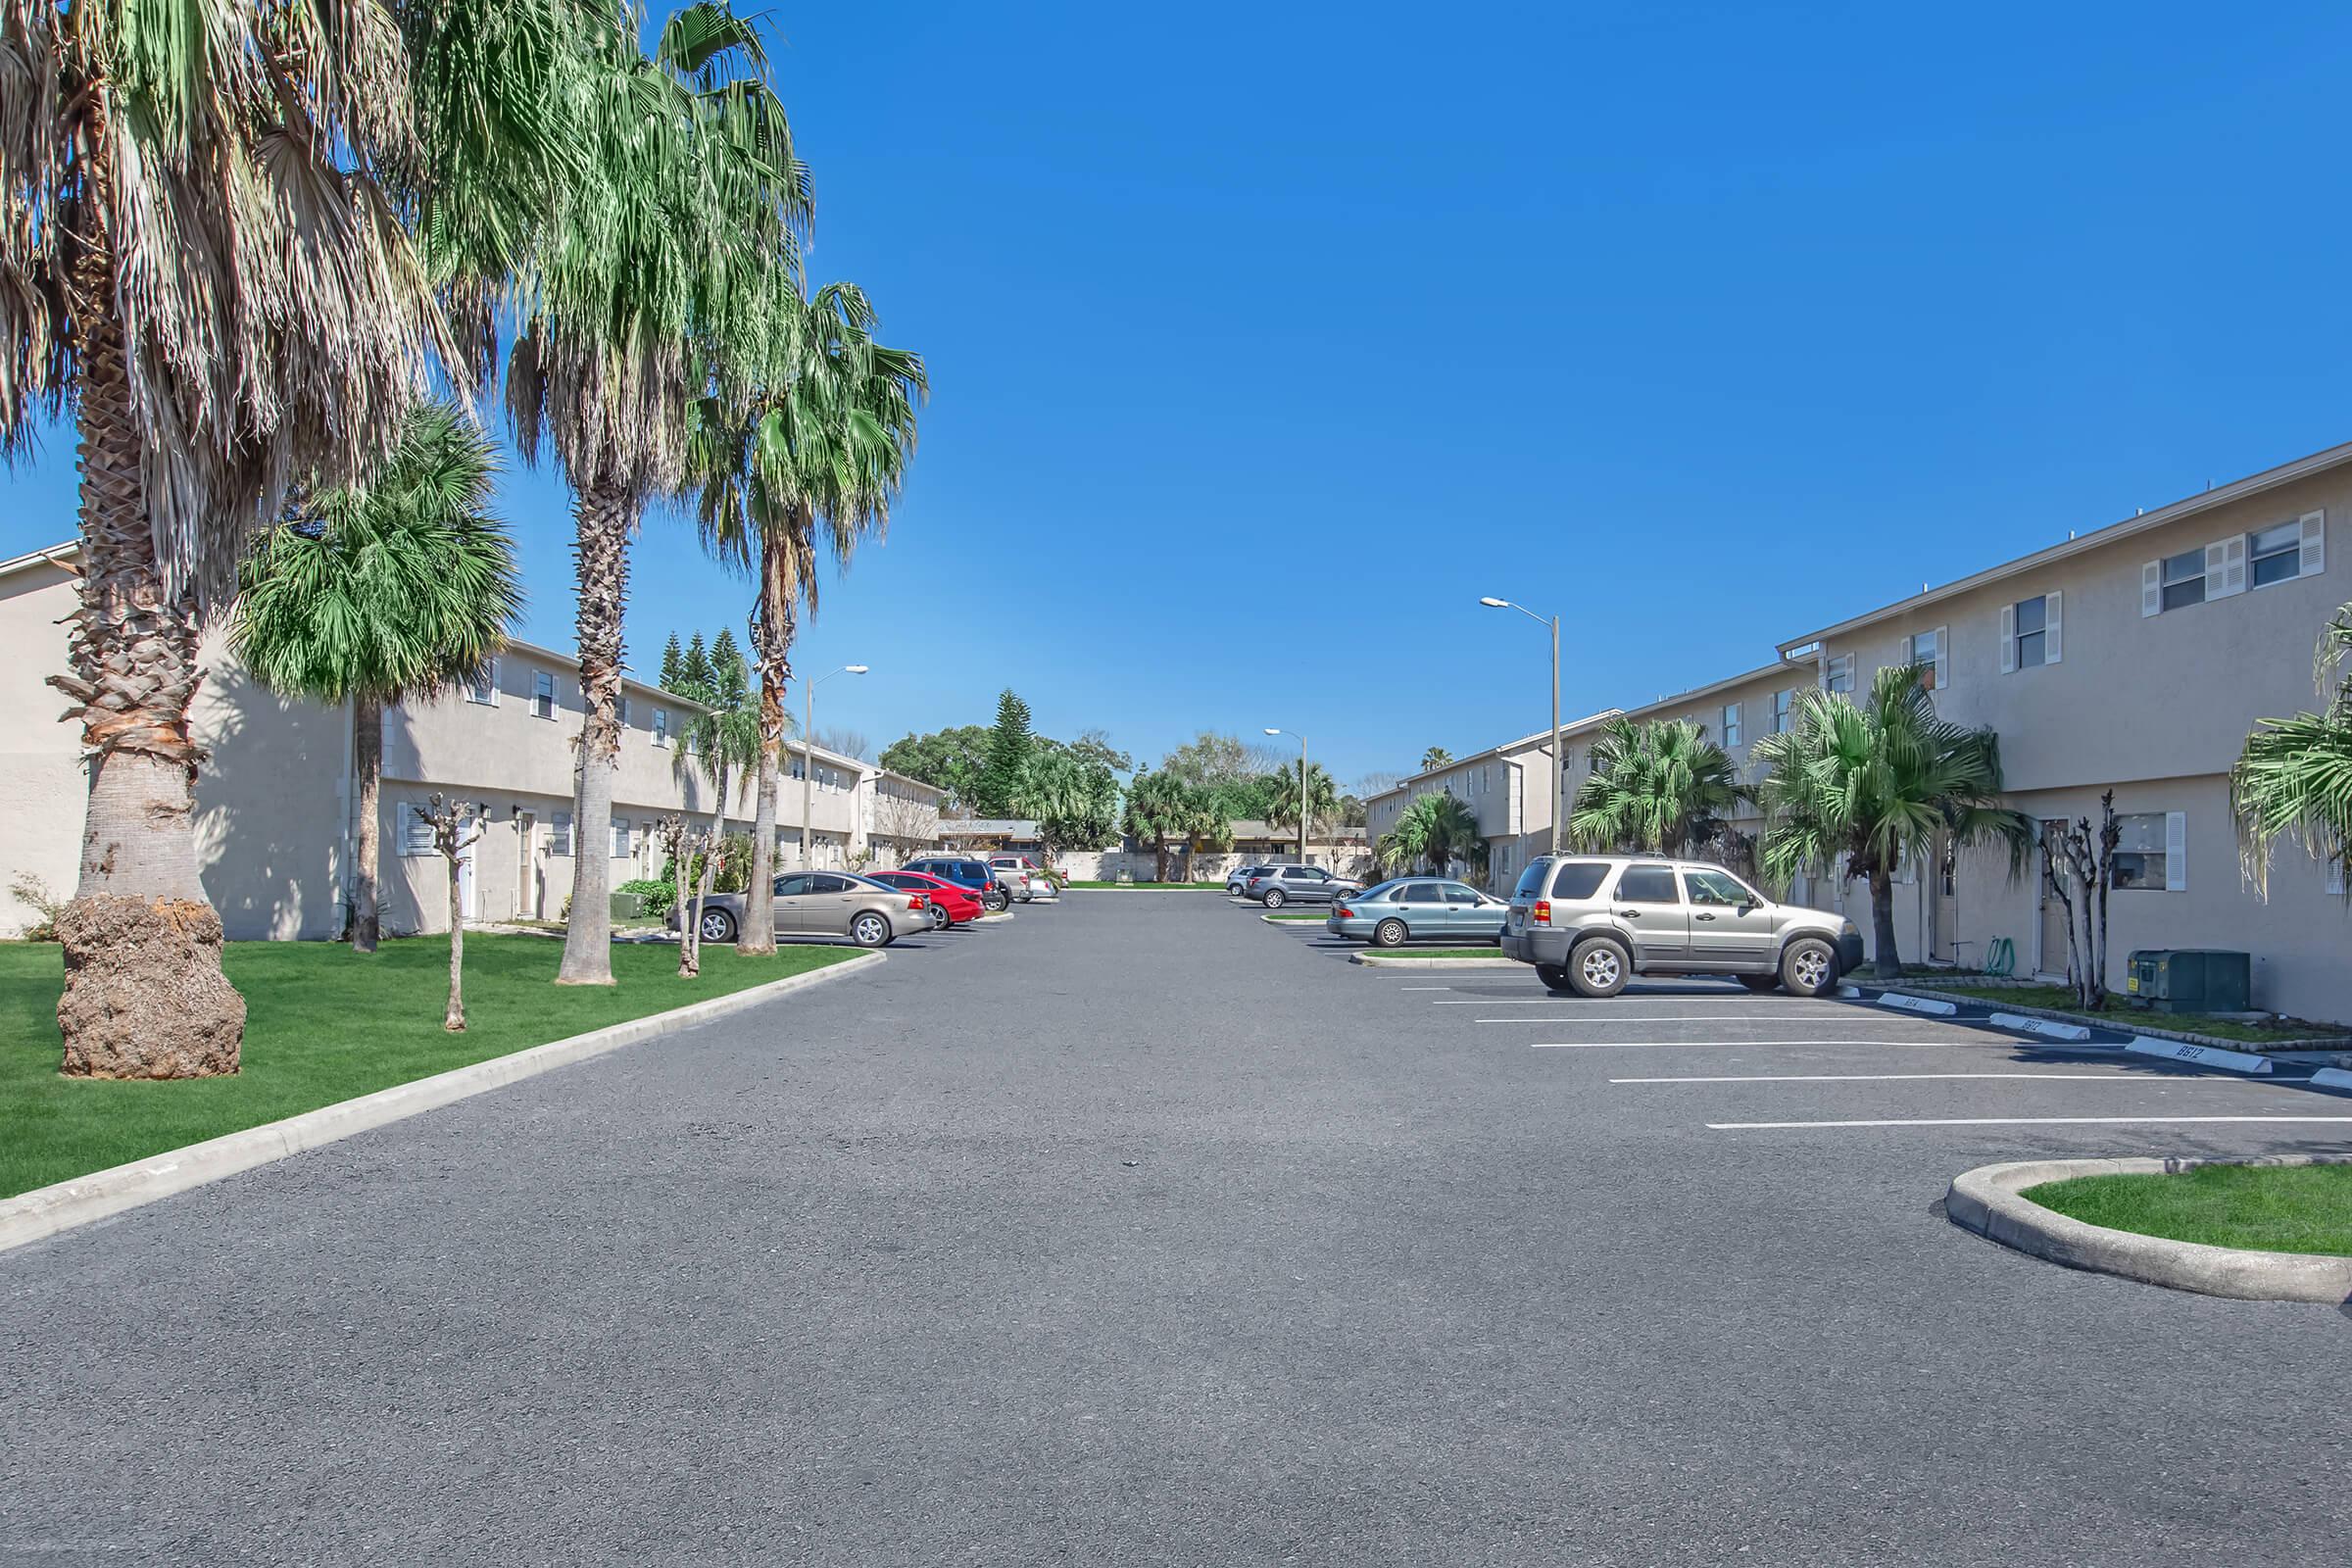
{"x": 1591, "y": 922}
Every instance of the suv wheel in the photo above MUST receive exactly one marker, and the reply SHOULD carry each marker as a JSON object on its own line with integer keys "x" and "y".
{"x": 1273, "y": 899}
{"x": 869, "y": 930}
{"x": 1554, "y": 977}
{"x": 1599, "y": 967}
{"x": 1388, "y": 934}
{"x": 995, "y": 900}
{"x": 1808, "y": 967}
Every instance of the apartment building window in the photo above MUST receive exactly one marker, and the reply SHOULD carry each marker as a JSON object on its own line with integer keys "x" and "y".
{"x": 1837, "y": 674}
{"x": 660, "y": 726}
{"x": 800, "y": 768}
{"x": 2152, "y": 852}
{"x": 1731, "y": 723}
{"x": 2291, "y": 549}
{"x": 415, "y": 833}
{"x": 2183, "y": 579}
{"x": 1784, "y": 711}
{"x": 2029, "y": 632}
{"x": 1929, "y": 650}
{"x": 483, "y": 688}
{"x": 620, "y": 838}
{"x": 543, "y": 695}
{"x": 559, "y": 833}
{"x": 620, "y": 710}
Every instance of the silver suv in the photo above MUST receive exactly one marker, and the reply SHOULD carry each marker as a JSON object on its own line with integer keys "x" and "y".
{"x": 1591, "y": 922}
{"x": 1277, "y": 885}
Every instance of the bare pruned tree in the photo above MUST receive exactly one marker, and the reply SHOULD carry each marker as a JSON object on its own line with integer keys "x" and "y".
{"x": 848, "y": 742}
{"x": 2081, "y": 865}
{"x": 455, "y": 824}
{"x": 687, "y": 845}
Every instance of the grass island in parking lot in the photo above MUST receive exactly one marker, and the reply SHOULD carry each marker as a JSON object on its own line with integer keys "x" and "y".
{"x": 322, "y": 1025}
{"x": 2268, "y": 1208}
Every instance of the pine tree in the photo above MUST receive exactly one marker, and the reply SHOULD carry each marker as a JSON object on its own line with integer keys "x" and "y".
{"x": 694, "y": 670}
{"x": 1004, "y": 778}
{"x": 671, "y": 658}
{"x": 723, "y": 652}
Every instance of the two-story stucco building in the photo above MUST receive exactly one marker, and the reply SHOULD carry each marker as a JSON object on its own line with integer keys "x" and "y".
{"x": 2134, "y": 657}
{"x": 275, "y": 797}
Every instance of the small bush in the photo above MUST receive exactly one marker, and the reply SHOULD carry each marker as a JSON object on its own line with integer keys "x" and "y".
{"x": 31, "y": 888}
{"x": 652, "y": 893}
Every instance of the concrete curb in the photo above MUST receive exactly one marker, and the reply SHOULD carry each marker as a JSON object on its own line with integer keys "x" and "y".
{"x": 46, "y": 1211}
{"x": 2133, "y": 1023}
{"x": 1320, "y": 919}
{"x": 1398, "y": 960}
{"x": 1989, "y": 1201}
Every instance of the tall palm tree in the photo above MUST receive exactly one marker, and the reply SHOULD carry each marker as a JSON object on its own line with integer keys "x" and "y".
{"x": 1167, "y": 809}
{"x": 1432, "y": 833}
{"x": 396, "y": 589}
{"x": 1281, "y": 794}
{"x": 2294, "y": 778}
{"x": 203, "y": 265}
{"x": 721, "y": 737}
{"x": 1660, "y": 785}
{"x": 799, "y": 469}
{"x": 1863, "y": 787}
{"x": 661, "y": 283}
{"x": 1435, "y": 757}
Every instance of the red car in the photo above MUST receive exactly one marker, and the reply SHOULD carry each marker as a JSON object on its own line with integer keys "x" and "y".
{"x": 949, "y": 905}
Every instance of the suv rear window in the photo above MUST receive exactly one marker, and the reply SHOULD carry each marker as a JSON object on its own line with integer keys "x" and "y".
{"x": 1579, "y": 879}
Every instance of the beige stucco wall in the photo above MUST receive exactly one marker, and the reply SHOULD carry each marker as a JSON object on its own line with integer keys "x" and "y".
{"x": 41, "y": 783}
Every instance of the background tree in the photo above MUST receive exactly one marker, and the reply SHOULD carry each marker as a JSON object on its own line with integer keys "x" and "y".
{"x": 1166, "y": 810}
{"x": 808, "y": 464}
{"x": 719, "y": 738}
{"x": 455, "y": 824}
{"x": 1432, "y": 833}
{"x": 950, "y": 758}
{"x": 1093, "y": 745}
{"x": 1010, "y": 747}
{"x": 661, "y": 284}
{"x": 2294, "y": 780}
{"x": 1435, "y": 757}
{"x": 397, "y": 589}
{"x": 2079, "y": 860}
{"x": 1864, "y": 787}
{"x": 672, "y": 660}
{"x": 848, "y": 742}
{"x": 1279, "y": 793}
{"x": 1073, "y": 799}
{"x": 1660, "y": 785}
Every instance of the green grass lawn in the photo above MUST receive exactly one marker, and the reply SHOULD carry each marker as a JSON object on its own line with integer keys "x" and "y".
{"x": 2273, "y": 1209}
{"x": 323, "y": 1024}
{"x": 2123, "y": 1015}
{"x": 1163, "y": 887}
{"x": 1301, "y": 918}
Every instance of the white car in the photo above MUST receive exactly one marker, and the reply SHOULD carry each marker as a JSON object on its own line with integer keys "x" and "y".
{"x": 1020, "y": 876}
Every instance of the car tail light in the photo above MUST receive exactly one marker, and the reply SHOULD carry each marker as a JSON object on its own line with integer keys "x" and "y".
{"x": 1345, "y": 913}
{"x": 918, "y": 902}
{"x": 1543, "y": 911}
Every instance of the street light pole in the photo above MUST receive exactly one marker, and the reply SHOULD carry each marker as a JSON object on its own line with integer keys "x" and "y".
{"x": 1301, "y": 792}
{"x": 1559, "y": 763}
{"x": 809, "y": 754}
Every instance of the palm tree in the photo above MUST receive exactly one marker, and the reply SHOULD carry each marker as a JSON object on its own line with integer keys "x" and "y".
{"x": 659, "y": 284}
{"x": 1281, "y": 794}
{"x": 204, "y": 265}
{"x": 396, "y": 589}
{"x": 1431, "y": 834}
{"x": 2294, "y": 778}
{"x": 1166, "y": 810}
{"x": 1876, "y": 783}
{"x": 1662, "y": 786}
{"x": 721, "y": 737}
{"x": 816, "y": 459}
{"x": 1436, "y": 756}
{"x": 1074, "y": 800}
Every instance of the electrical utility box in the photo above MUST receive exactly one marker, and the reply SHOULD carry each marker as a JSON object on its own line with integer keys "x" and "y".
{"x": 2192, "y": 980}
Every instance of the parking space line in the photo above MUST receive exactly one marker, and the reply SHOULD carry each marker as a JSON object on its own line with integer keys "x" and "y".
{"x": 1869, "y": 1020}
{"x": 1601, "y": 1004}
{"x": 1739, "y": 1044}
{"x": 1426, "y": 988}
{"x": 1913, "y": 1077}
{"x": 2011, "y": 1121}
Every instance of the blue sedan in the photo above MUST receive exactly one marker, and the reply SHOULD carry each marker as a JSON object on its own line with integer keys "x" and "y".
{"x": 1414, "y": 908}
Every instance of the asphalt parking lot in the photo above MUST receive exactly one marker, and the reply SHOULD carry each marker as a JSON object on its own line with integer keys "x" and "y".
{"x": 1137, "y": 1231}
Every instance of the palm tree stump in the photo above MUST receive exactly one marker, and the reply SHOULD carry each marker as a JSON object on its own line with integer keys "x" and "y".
{"x": 145, "y": 996}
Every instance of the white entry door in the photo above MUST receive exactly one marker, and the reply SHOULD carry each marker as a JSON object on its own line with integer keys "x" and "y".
{"x": 466, "y": 881}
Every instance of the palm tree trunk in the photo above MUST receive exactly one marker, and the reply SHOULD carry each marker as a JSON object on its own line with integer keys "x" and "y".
{"x": 1161, "y": 865}
{"x": 604, "y": 516}
{"x": 771, "y": 647}
{"x": 368, "y": 770}
{"x": 455, "y": 1019}
{"x": 1889, "y": 964}
{"x": 144, "y": 993}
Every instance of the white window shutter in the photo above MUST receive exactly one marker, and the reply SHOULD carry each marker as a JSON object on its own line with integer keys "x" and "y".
{"x": 2175, "y": 850}
{"x": 1821, "y": 672}
{"x": 1943, "y": 658}
{"x": 2315, "y": 545}
{"x": 2219, "y": 581}
{"x": 2151, "y": 588}
{"x": 2008, "y": 639}
{"x": 2053, "y": 624}
{"x": 2336, "y": 878}
{"x": 494, "y": 674}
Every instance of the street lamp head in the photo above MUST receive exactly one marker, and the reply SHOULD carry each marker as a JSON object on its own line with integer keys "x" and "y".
{"x": 853, "y": 669}
{"x": 1271, "y": 730}
{"x": 1494, "y": 604}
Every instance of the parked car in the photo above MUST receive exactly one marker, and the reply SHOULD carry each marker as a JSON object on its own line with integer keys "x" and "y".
{"x": 1237, "y": 880}
{"x": 1407, "y": 909}
{"x": 824, "y": 903}
{"x": 1277, "y": 885}
{"x": 949, "y": 905}
{"x": 1591, "y": 922}
{"x": 1020, "y": 876}
{"x": 965, "y": 871}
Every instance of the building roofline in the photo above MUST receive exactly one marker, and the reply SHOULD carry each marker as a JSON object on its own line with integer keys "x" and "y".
{"x": 2099, "y": 538}
{"x": 1789, "y": 660}
{"x": 56, "y": 555}
{"x": 1567, "y": 728}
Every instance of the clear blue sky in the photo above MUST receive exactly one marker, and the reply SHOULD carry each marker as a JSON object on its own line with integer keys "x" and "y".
{"x": 1266, "y": 338}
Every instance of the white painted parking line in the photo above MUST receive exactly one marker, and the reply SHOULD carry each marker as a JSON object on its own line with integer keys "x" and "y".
{"x": 2167, "y": 1080}
{"x": 1601, "y": 1005}
{"x": 1861, "y": 1019}
{"x": 2013, "y": 1121}
{"x": 1732, "y": 1044}
{"x": 1426, "y": 988}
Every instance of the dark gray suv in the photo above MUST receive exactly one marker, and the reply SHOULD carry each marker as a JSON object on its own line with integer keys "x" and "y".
{"x": 1591, "y": 922}
{"x": 1277, "y": 885}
